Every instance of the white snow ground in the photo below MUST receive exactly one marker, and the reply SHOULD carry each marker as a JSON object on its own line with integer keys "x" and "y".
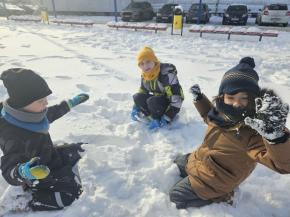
{"x": 128, "y": 171}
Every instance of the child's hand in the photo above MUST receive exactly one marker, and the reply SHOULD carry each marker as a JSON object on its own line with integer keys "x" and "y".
{"x": 154, "y": 124}
{"x": 271, "y": 117}
{"x": 78, "y": 100}
{"x": 32, "y": 170}
{"x": 196, "y": 92}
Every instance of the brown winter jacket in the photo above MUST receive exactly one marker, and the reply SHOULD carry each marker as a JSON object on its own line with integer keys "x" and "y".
{"x": 228, "y": 156}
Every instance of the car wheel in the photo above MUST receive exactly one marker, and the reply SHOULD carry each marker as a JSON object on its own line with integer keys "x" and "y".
{"x": 224, "y": 22}
{"x": 259, "y": 21}
{"x": 141, "y": 17}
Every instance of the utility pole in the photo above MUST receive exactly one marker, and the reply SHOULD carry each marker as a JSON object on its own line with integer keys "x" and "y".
{"x": 5, "y": 9}
{"x": 53, "y": 8}
{"x": 216, "y": 6}
{"x": 116, "y": 10}
{"x": 199, "y": 12}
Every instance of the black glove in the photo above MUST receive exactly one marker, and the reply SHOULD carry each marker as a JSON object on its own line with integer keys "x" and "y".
{"x": 71, "y": 152}
{"x": 271, "y": 116}
{"x": 196, "y": 92}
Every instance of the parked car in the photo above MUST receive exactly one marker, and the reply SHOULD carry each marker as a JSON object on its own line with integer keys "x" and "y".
{"x": 274, "y": 14}
{"x": 11, "y": 9}
{"x": 193, "y": 13}
{"x": 236, "y": 14}
{"x": 165, "y": 13}
{"x": 137, "y": 11}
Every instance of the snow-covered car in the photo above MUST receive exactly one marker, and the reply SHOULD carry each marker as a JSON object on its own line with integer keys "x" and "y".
{"x": 274, "y": 14}
{"x": 10, "y": 9}
{"x": 165, "y": 13}
{"x": 236, "y": 14}
{"x": 137, "y": 11}
{"x": 193, "y": 13}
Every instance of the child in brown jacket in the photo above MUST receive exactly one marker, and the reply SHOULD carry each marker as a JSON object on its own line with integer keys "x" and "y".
{"x": 245, "y": 127}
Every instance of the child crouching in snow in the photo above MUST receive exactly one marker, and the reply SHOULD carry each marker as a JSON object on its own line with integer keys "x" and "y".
{"x": 29, "y": 157}
{"x": 160, "y": 95}
{"x": 245, "y": 127}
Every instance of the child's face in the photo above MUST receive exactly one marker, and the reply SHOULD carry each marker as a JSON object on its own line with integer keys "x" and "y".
{"x": 240, "y": 99}
{"x": 37, "y": 106}
{"x": 147, "y": 65}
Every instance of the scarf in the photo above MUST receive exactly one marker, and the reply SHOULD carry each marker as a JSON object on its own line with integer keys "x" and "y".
{"x": 35, "y": 122}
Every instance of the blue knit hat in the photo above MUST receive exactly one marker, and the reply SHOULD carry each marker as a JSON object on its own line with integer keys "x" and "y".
{"x": 241, "y": 78}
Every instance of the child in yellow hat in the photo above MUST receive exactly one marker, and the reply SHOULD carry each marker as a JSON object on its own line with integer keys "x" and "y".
{"x": 160, "y": 95}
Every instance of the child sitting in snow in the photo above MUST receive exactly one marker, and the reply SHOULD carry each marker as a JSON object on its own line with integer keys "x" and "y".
{"x": 29, "y": 157}
{"x": 245, "y": 127}
{"x": 160, "y": 95}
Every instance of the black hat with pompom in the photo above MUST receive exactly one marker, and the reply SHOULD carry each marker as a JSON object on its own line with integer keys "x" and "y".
{"x": 241, "y": 78}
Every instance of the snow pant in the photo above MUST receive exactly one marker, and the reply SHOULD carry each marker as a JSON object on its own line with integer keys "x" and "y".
{"x": 151, "y": 105}
{"x": 61, "y": 187}
{"x": 182, "y": 193}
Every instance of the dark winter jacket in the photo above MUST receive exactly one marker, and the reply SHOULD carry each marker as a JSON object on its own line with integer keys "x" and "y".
{"x": 166, "y": 84}
{"x": 227, "y": 157}
{"x": 19, "y": 146}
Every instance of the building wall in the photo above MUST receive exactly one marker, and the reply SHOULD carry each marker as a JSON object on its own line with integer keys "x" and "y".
{"x": 108, "y": 5}
{"x": 87, "y": 5}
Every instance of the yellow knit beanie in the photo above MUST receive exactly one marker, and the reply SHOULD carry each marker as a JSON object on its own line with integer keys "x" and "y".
{"x": 146, "y": 53}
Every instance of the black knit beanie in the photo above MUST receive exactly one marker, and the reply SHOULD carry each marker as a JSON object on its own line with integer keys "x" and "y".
{"x": 24, "y": 87}
{"x": 241, "y": 78}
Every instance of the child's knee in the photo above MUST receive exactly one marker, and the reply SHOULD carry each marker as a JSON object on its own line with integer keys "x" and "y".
{"x": 137, "y": 97}
{"x": 45, "y": 200}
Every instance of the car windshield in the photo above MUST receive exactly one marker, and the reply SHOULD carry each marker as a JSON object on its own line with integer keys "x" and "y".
{"x": 137, "y": 5}
{"x": 168, "y": 7}
{"x": 195, "y": 7}
{"x": 237, "y": 8}
{"x": 278, "y": 7}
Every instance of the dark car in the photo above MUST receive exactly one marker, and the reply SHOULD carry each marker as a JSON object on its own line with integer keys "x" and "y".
{"x": 137, "y": 11}
{"x": 235, "y": 14}
{"x": 165, "y": 13}
{"x": 193, "y": 13}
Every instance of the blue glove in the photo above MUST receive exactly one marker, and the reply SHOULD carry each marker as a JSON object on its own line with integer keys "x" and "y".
{"x": 163, "y": 121}
{"x": 154, "y": 124}
{"x": 78, "y": 100}
{"x": 135, "y": 113}
{"x": 32, "y": 170}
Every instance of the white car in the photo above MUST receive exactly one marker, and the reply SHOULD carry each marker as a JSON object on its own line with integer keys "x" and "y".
{"x": 274, "y": 14}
